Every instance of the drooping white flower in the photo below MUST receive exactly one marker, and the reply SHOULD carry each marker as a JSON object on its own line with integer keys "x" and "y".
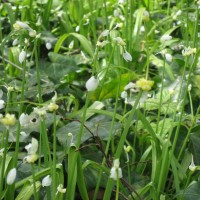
{"x": 105, "y": 33}
{"x": 40, "y": 111}
{"x": 32, "y": 147}
{"x": 168, "y": 57}
{"x": 48, "y": 45}
{"x": 22, "y": 56}
{"x": 124, "y": 95}
{"x": 77, "y": 28}
{"x": 46, "y": 181}
{"x": 21, "y": 25}
{"x": 192, "y": 166}
{"x": 32, "y": 151}
{"x": 71, "y": 44}
{"x": 91, "y": 84}
{"x": 189, "y": 51}
{"x": 32, "y": 33}
{"x": 24, "y": 119}
{"x": 116, "y": 171}
{"x": 15, "y": 42}
{"x": 165, "y": 38}
{"x": 2, "y": 102}
{"x": 60, "y": 189}
{"x": 127, "y": 56}
{"x": 10, "y": 179}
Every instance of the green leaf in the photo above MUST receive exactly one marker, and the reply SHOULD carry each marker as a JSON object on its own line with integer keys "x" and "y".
{"x": 192, "y": 192}
{"x": 109, "y": 89}
{"x": 59, "y": 67}
{"x": 28, "y": 190}
{"x": 82, "y": 39}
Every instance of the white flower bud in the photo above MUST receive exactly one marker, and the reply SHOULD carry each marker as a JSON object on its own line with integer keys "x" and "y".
{"x": 46, "y": 181}
{"x": 48, "y": 45}
{"x": 127, "y": 56}
{"x": 15, "y": 42}
{"x": 116, "y": 171}
{"x": 22, "y": 56}
{"x": 91, "y": 84}
{"x": 165, "y": 38}
{"x": 168, "y": 57}
{"x": 11, "y": 176}
{"x": 2, "y": 104}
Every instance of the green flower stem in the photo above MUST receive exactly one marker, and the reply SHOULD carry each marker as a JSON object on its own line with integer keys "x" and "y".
{"x": 117, "y": 189}
{"x": 34, "y": 183}
{"x": 54, "y": 157}
{"x": 3, "y": 160}
{"x": 20, "y": 112}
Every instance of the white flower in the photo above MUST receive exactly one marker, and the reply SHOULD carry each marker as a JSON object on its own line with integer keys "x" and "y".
{"x": 91, "y": 84}
{"x": 24, "y": 119}
{"x": 189, "y": 87}
{"x": 168, "y": 57}
{"x": 32, "y": 147}
{"x": 15, "y": 42}
{"x": 11, "y": 176}
{"x": 2, "y": 103}
{"x": 116, "y": 171}
{"x": 52, "y": 107}
{"x": 32, "y": 33}
{"x": 121, "y": 1}
{"x": 32, "y": 151}
{"x": 46, "y": 181}
{"x": 105, "y": 33}
{"x": 127, "y": 56}
{"x": 130, "y": 86}
{"x": 77, "y": 29}
{"x": 71, "y": 44}
{"x": 21, "y": 25}
{"x": 103, "y": 43}
{"x": 119, "y": 41}
{"x": 40, "y": 111}
{"x": 142, "y": 29}
{"x": 48, "y": 45}
{"x": 22, "y": 56}
{"x": 60, "y": 189}
{"x": 189, "y": 51}
{"x": 124, "y": 95}
{"x": 165, "y": 38}
{"x": 192, "y": 166}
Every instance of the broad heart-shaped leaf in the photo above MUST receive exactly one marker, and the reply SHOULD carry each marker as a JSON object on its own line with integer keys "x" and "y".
{"x": 109, "y": 90}
{"x": 59, "y": 67}
{"x": 192, "y": 192}
{"x": 99, "y": 125}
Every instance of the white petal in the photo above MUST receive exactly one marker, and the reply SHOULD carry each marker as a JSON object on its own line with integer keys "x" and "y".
{"x": 165, "y": 38}
{"x": 127, "y": 56}
{"x": 46, "y": 181}
{"x": 48, "y": 45}
{"x": 168, "y": 57}
{"x": 22, "y": 56}
{"x": 11, "y": 176}
{"x": 91, "y": 84}
{"x": 24, "y": 119}
{"x": 2, "y": 104}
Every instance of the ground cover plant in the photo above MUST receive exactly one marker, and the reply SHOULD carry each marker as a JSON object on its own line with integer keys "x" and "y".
{"x": 99, "y": 99}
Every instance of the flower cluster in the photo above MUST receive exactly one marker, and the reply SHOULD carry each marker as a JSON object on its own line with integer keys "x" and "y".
{"x": 144, "y": 84}
{"x": 32, "y": 149}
